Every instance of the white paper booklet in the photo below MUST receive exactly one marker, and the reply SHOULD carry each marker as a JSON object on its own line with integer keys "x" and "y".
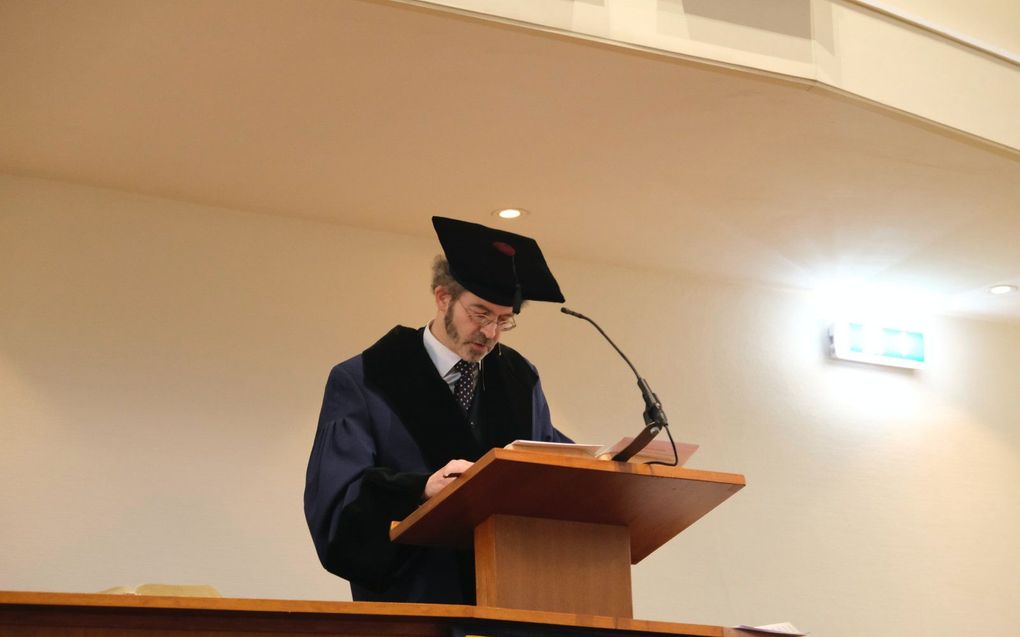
{"x": 782, "y": 628}
{"x": 657, "y": 450}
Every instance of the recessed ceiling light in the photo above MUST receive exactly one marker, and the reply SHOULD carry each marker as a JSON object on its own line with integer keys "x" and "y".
{"x": 510, "y": 213}
{"x": 1002, "y": 289}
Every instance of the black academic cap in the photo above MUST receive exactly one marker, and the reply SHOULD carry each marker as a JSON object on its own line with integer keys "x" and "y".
{"x": 501, "y": 267}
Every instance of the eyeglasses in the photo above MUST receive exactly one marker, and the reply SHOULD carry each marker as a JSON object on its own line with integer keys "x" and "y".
{"x": 484, "y": 319}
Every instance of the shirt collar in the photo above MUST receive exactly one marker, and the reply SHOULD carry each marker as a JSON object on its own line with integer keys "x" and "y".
{"x": 442, "y": 356}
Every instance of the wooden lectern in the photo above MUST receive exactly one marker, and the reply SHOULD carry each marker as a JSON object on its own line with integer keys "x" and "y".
{"x": 559, "y": 533}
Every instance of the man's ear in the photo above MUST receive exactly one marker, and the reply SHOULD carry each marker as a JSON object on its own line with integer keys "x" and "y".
{"x": 443, "y": 298}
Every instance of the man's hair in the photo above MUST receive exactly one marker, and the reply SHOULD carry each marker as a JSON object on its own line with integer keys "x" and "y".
{"x": 441, "y": 278}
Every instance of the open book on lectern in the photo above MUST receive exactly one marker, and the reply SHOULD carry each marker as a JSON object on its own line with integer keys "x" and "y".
{"x": 655, "y": 451}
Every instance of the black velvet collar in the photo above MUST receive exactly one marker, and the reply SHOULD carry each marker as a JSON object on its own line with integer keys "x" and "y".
{"x": 400, "y": 368}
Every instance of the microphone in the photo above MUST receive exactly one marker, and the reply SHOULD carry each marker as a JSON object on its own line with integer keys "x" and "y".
{"x": 654, "y": 416}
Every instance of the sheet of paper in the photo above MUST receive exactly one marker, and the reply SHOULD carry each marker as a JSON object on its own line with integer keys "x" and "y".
{"x": 537, "y": 445}
{"x": 782, "y": 628}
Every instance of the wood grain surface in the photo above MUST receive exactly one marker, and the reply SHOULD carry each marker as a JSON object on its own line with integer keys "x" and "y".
{"x": 654, "y": 502}
{"x": 537, "y": 564}
{"x": 42, "y": 614}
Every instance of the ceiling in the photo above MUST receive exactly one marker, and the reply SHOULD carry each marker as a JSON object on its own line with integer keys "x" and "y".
{"x": 379, "y": 114}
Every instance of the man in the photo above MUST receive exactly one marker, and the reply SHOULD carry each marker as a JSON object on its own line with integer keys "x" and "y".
{"x": 402, "y": 420}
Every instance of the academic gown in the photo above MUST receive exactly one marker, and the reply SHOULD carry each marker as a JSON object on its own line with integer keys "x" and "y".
{"x": 389, "y": 421}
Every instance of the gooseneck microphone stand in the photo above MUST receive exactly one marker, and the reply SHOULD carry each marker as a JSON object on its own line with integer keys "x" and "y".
{"x": 654, "y": 416}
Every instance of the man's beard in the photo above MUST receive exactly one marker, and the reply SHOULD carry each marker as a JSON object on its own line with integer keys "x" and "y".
{"x": 451, "y": 331}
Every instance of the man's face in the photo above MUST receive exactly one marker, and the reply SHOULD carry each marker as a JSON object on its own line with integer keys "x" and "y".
{"x": 460, "y": 331}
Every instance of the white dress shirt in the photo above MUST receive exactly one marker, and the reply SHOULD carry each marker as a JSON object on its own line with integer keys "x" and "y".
{"x": 442, "y": 357}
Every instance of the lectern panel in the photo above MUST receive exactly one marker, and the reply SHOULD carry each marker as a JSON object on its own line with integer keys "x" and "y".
{"x": 553, "y": 565}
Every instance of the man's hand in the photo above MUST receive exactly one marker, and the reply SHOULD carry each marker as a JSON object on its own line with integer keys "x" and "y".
{"x": 438, "y": 480}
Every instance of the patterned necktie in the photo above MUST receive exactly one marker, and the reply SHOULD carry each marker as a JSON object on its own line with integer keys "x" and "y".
{"x": 464, "y": 389}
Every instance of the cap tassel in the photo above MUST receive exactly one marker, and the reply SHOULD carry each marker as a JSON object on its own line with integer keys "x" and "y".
{"x": 509, "y": 251}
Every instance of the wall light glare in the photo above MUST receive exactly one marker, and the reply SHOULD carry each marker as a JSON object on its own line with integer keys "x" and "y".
{"x": 1002, "y": 289}
{"x": 839, "y": 301}
{"x": 877, "y": 344}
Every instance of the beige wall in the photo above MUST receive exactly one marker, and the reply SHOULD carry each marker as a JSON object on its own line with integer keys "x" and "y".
{"x": 161, "y": 366}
